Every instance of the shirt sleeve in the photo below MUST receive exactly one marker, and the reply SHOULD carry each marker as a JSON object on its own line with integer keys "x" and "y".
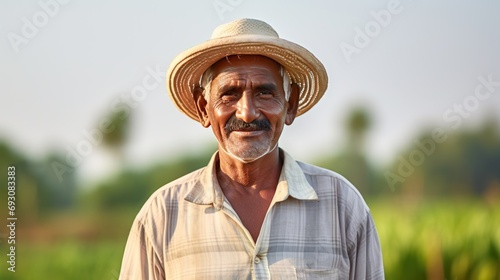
{"x": 141, "y": 260}
{"x": 366, "y": 255}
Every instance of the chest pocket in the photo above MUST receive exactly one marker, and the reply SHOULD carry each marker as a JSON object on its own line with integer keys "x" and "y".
{"x": 316, "y": 274}
{"x": 305, "y": 241}
{"x": 285, "y": 269}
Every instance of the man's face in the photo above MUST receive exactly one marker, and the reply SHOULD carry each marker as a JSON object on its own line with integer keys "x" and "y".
{"x": 246, "y": 106}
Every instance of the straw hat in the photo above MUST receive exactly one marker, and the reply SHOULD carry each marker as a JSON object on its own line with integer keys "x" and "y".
{"x": 245, "y": 37}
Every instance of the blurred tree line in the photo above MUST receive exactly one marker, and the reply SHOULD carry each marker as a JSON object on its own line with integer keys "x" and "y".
{"x": 37, "y": 184}
{"x": 131, "y": 188}
{"x": 467, "y": 163}
{"x": 462, "y": 163}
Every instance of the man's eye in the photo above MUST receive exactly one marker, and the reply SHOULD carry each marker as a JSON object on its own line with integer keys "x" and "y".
{"x": 265, "y": 93}
{"x": 228, "y": 95}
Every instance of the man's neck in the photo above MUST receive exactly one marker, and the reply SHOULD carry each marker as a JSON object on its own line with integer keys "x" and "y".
{"x": 260, "y": 174}
{"x": 250, "y": 187}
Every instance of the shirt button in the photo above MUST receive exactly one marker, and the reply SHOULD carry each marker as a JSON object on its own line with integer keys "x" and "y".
{"x": 256, "y": 260}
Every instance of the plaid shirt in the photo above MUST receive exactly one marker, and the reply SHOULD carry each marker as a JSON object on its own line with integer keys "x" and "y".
{"x": 318, "y": 226}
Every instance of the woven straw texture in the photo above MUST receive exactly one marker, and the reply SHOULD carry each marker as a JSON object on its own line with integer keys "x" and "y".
{"x": 245, "y": 37}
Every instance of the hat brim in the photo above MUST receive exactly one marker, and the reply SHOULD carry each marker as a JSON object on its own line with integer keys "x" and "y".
{"x": 304, "y": 68}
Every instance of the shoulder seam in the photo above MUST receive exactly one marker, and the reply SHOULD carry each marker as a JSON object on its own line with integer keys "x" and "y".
{"x": 335, "y": 176}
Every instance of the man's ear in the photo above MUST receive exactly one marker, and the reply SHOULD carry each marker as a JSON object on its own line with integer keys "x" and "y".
{"x": 201, "y": 106}
{"x": 293, "y": 104}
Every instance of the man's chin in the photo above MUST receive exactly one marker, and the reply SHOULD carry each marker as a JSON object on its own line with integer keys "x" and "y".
{"x": 243, "y": 155}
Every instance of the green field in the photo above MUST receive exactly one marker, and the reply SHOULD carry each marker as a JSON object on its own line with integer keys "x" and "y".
{"x": 439, "y": 240}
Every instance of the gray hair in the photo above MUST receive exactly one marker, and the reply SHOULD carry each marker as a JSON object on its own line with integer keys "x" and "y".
{"x": 208, "y": 75}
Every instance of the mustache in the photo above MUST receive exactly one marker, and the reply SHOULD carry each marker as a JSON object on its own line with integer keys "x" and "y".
{"x": 236, "y": 124}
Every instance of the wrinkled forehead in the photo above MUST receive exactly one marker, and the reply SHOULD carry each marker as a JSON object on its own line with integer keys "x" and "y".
{"x": 246, "y": 63}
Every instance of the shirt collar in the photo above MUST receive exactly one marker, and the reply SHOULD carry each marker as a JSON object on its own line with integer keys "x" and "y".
{"x": 207, "y": 189}
{"x": 292, "y": 182}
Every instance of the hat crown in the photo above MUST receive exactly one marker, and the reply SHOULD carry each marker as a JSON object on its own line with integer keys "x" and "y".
{"x": 244, "y": 27}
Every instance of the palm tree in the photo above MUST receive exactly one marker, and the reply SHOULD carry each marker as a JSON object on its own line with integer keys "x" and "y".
{"x": 116, "y": 139}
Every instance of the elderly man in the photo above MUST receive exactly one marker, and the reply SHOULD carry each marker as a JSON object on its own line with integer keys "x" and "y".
{"x": 253, "y": 212}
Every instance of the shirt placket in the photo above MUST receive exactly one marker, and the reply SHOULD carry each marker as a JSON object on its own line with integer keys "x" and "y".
{"x": 257, "y": 257}
{"x": 257, "y": 251}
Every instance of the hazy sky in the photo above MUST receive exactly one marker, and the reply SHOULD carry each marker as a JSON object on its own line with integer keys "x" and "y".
{"x": 414, "y": 64}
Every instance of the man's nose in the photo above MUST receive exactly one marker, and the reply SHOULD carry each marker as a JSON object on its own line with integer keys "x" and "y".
{"x": 246, "y": 109}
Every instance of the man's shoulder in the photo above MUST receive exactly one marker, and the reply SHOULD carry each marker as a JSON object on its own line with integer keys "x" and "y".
{"x": 326, "y": 180}
{"x": 170, "y": 194}
{"x": 182, "y": 182}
